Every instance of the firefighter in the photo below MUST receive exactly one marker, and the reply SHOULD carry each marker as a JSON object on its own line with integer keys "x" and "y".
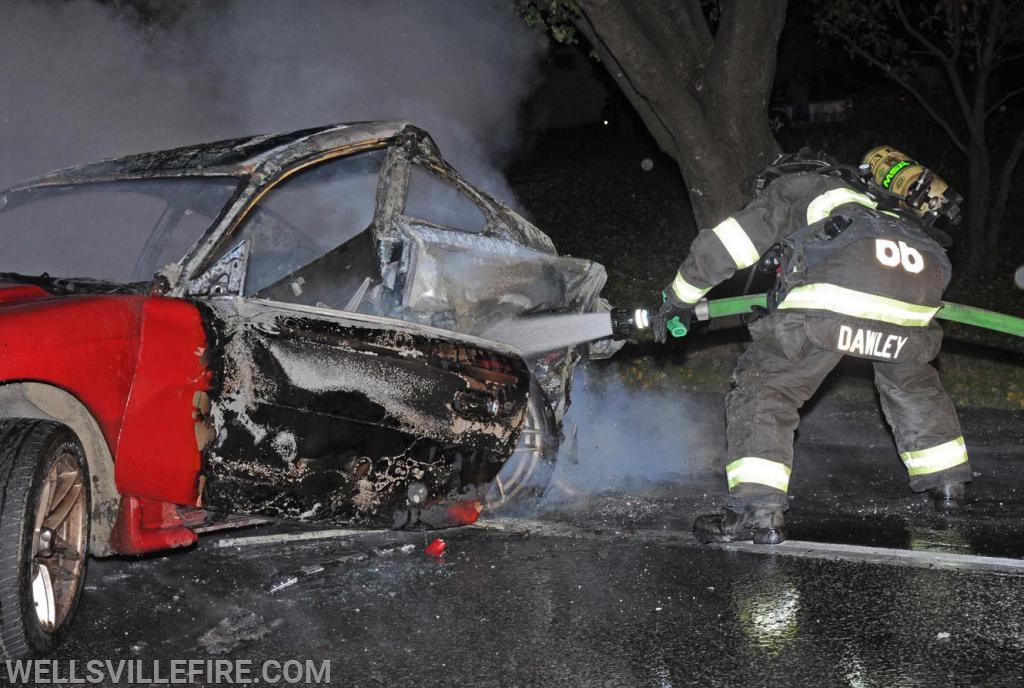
{"x": 861, "y": 269}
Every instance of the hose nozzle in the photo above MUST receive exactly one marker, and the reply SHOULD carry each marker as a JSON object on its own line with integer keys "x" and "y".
{"x": 626, "y": 323}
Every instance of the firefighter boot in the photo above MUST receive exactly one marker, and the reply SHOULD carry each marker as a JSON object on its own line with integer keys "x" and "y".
{"x": 763, "y": 526}
{"x": 948, "y": 498}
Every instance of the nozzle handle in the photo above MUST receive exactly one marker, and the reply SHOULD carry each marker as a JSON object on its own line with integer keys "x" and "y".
{"x": 675, "y": 326}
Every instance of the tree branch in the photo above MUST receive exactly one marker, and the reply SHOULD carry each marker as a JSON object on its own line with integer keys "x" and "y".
{"x": 920, "y": 37}
{"x": 741, "y": 21}
{"x": 653, "y": 65}
{"x": 1010, "y": 58}
{"x": 663, "y": 21}
{"x": 655, "y": 124}
{"x": 957, "y": 27}
{"x": 986, "y": 55}
{"x": 995, "y": 20}
{"x": 976, "y": 22}
{"x": 1006, "y": 97}
{"x": 913, "y": 91}
{"x": 1005, "y": 181}
{"x": 955, "y": 82}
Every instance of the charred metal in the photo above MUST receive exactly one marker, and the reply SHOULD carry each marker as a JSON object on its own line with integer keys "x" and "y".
{"x": 336, "y": 283}
{"x": 334, "y": 422}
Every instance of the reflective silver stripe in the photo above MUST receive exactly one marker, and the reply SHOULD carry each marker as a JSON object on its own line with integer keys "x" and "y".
{"x": 737, "y": 243}
{"x": 935, "y": 459}
{"x": 640, "y": 319}
{"x": 822, "y": 206}
{"x": 857, "y": 304}
{"x": 752, "y": 469}
{"x": 686, "y": 292}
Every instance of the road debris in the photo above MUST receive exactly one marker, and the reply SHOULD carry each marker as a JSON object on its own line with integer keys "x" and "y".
{"x": 388, "y": 551}
{"x": 436, "y": 547}
{"x": 280, "y": 583}
{"x": 235, "y": 629}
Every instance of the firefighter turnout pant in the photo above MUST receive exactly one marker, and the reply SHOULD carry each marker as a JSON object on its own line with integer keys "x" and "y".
{"x": 782, "y": 368}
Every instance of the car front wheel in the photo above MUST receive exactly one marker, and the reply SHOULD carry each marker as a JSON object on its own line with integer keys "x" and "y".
{"x": 44, "y": 533}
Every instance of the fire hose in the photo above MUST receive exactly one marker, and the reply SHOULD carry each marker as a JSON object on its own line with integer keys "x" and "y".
{"x": 626, "y": 323}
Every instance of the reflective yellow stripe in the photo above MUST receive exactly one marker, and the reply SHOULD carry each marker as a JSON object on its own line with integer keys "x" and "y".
{"x": 935, "y": 459}
{"x": 686, "y": 292}
{"x": 857, "y": 304}
{"x": 737, "y": 243}
{"x": 751, "y": 469}
{"x": 822, "y": 206}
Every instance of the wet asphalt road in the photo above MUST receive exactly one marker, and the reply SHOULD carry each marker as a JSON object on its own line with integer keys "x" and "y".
{"x": 582, "y": 607}
{"x": 604, "y": 586}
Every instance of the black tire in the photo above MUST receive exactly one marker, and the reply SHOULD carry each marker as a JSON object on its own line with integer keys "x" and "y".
{"x": 40, "y": 461}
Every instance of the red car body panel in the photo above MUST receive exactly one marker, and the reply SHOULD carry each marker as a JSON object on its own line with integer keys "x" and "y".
{"x": 136, "y": 363}
{"x": 13, "y": 293}
{"x": 86, "y": 345}
{"x": 157, "y": 455}
{"x": 144, "y": 525}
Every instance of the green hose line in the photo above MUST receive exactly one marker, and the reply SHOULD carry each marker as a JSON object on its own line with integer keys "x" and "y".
{"x": 735, "y": 305}
{"x": 990, "y": 320}
{"x": 954, "y": 312}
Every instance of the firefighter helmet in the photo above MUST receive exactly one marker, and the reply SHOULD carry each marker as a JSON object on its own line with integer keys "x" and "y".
{"x": 918, "y": 188}
{"x": 804, "y": 160}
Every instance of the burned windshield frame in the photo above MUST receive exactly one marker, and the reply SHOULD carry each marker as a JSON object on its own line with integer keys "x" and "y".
{"x": 183, "y": 198}
{"x": 184, "y": 202}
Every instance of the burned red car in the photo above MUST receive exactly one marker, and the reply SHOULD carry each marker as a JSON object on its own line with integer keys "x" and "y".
{"x": 308, "y": 349}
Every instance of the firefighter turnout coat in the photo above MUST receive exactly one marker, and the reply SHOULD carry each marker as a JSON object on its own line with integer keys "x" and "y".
{"x": 853, "y": 281}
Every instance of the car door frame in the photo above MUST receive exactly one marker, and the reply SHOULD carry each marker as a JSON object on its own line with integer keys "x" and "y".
{"x": 235, "y": 322}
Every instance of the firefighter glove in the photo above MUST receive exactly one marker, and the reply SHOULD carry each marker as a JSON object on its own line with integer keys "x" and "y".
{"x": 673, "y": 317}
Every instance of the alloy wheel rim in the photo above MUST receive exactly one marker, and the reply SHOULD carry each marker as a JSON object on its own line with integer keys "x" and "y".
{"x": 523, "y": 463}
{"x": 58, "y": 537}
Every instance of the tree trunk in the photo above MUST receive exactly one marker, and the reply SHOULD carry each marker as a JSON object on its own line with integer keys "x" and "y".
{"x": 979, "y": 173}
{"x": 704, "y": 97}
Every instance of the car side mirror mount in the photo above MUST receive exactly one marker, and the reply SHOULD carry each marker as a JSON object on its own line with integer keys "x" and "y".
{"x": 226, "y": 276}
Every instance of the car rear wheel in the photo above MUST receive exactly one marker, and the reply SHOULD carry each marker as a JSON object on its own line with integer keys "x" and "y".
{"x": 44, "y": 533}
{"x": 526, "y": 474}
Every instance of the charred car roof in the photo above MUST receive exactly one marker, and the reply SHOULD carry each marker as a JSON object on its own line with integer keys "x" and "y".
{"x": 228, "y": 158}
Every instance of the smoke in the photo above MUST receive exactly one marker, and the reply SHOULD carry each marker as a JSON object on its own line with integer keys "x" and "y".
{"x": 631, "y": 436}
{"x": 82, "y": 81}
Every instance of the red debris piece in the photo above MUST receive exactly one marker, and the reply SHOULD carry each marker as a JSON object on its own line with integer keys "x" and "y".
{"x": 465, "y": 513}
{"x": 436, "y": 548}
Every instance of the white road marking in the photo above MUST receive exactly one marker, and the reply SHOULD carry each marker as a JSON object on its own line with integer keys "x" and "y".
{"x": 791, "y": 548}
